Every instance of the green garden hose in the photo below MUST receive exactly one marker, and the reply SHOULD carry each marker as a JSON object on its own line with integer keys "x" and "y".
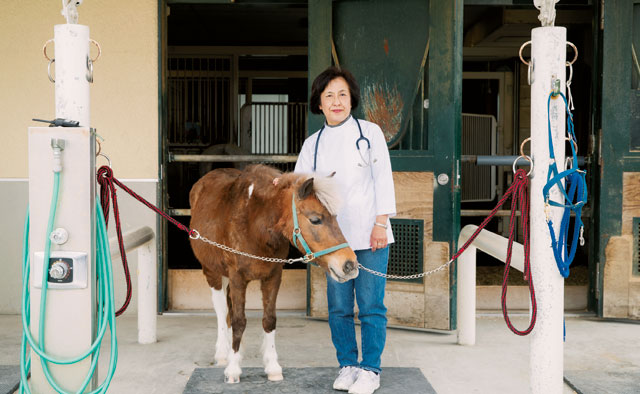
{"x": 105, "y": 307}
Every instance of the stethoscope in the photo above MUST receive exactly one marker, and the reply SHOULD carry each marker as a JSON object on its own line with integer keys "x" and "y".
{"x": 365, "y": 162}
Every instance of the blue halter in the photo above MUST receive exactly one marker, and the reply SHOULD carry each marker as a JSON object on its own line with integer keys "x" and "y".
{"x": 575, "y": 199}
{"x": 297, "y": 236}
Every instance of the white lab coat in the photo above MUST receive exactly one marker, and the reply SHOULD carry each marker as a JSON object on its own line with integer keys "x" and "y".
{"x": 363, "y": 198}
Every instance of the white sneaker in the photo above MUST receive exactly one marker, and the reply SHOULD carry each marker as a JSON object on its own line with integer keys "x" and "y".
{"x": 367, "y": 383}
{"x": 346, "y": 377}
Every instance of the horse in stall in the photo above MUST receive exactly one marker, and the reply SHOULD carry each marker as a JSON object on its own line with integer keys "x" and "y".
{"x": 250, "y": 212}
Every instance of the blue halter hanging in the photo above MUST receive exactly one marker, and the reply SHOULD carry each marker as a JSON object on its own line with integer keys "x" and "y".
{"x": 575, "y": 199}
{"x": 297, "y": 236}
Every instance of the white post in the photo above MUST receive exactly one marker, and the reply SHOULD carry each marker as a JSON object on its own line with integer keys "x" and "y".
{"x": 72, "y": 87}
{"x": 147, "y": 294}
{"x": 466, "y": 303}
{"x": 142, "y": 239}
{"x": 494, "y": 245}
{"x": 548, "y": 54}
{"x": 70, "y": 310}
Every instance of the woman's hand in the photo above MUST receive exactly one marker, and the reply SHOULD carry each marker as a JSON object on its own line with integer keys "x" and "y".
{"x": 378, "y": 238}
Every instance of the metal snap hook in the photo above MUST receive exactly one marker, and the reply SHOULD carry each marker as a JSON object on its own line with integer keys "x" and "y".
{"x": 569, "y": 96}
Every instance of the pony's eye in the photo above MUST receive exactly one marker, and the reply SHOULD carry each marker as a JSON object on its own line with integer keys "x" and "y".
{"x": 315, "y": 220}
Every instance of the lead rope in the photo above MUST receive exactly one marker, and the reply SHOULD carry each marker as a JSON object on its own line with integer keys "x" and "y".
{"x": 522, "y": 191}
{"x": 107, "y": 189}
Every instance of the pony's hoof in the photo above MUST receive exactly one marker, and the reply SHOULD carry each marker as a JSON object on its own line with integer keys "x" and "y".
{"x": 231, "y": 379}
{"x": 275, "y": 377}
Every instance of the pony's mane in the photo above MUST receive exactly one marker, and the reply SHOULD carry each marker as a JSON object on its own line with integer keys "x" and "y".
{"x": 325, "y": 187}
{"x": 328, "y": 193}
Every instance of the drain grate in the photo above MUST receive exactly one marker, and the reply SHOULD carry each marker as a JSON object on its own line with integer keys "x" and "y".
{"x": 406, "y": 253}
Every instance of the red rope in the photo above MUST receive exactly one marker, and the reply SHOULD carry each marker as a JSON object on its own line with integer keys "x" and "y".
{"x": 107, "y": 189}
{"x": 519, "y": 191}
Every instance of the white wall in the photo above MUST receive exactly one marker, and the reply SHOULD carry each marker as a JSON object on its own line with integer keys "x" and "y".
{"x": 124, "y": 110}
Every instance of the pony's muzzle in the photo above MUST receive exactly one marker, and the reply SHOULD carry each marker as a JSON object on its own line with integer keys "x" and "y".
{"x": 349, "y": 270}
{"x": 348, "y": 267}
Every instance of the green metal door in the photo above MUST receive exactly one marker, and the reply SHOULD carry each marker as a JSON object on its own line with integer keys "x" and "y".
{"x": 407, "y": 58}
{"x": 619, "y": 158}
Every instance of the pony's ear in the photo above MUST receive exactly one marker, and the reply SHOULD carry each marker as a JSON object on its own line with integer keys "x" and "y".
{"x": 331, "y": 175}
{"x": 306, "y": 189}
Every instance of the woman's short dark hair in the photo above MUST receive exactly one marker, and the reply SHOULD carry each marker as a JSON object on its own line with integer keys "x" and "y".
{"x": 321, "y": 82}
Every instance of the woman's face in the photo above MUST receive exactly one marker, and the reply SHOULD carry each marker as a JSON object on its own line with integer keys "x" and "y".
{"x": 335, "y": 101}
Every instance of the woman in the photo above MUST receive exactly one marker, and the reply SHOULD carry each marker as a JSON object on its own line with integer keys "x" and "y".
{"x": 356, "y": 151}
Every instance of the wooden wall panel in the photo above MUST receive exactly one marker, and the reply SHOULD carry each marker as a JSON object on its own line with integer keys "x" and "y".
{"x": 621, "y": 290}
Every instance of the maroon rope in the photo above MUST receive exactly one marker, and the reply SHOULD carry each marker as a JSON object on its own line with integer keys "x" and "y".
{"x": 519, "y": 191}
{"x": 107, "y": 189}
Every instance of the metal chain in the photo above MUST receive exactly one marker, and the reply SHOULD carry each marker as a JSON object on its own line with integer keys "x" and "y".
{"x": 196, "y": 235}
{"x": 414, "y": 276}
{"x": 253, "y": 256}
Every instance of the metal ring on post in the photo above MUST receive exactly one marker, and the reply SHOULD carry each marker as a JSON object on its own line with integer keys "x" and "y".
{"x": 530, "y": 64}
{"x": 520, "y": 53}
{"x": 525, "y": 157}
{"x": 568, "y": 160}
{"x": 89, "y": 70}
{"x": 576, "y": 53}
{"x": 44, "y": 49}
{"x": 99, "y": 148}
{"x": 522, "y": 146}
{"x": 575, "y": 143}
{"x": 106, "y": 157}
{"x": 99, "y": 49}
{"x": 52, "y": 79}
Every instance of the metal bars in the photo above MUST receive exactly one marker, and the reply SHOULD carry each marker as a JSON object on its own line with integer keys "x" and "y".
{"x": 198, "y": 100}
{"x": 277, "y": 128}
{"x": 478, "y": 138}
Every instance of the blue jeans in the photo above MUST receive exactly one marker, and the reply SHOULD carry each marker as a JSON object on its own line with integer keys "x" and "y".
{"x": 369, "y": 293}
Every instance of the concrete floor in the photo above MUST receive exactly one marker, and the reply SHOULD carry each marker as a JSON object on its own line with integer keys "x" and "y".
{"x": 497, "y": 364}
